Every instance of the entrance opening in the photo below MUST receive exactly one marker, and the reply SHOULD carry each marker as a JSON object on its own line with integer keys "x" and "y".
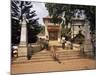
{"x": 53, "y": 35}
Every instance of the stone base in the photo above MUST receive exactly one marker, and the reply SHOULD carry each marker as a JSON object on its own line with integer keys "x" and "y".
{"x": 22, "y": 51}
{"x": 76, "y": 47}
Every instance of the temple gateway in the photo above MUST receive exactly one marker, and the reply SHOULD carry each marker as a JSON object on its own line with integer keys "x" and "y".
{"x": 53, "y": 31}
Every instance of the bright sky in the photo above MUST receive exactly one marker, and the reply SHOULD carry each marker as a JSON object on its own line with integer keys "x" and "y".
{"x": 40, "y": 11}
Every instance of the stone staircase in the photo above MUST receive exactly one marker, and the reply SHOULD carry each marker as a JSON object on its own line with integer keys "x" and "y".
{"x": 44, "y": 56}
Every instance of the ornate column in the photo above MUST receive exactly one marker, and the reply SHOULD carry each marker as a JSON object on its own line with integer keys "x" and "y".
{"x": 22, "y": 50}
{"x": 87, "y": 43}
{"x": 46, "y": 31}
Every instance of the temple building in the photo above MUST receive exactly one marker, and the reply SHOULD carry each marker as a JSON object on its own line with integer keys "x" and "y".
{"x": 51, "y": 30}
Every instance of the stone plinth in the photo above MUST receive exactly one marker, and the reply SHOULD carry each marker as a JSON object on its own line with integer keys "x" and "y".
{"x": 22, "y": 51}
{"x": 76, "y": 47}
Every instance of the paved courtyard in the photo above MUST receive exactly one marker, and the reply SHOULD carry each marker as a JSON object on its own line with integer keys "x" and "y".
{"x": 49, "y": 66}
{"x": 43, "y": 62}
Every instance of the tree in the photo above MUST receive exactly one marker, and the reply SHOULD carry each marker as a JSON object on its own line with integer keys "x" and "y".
{"x": 90, "y": 12}
{"x": 62, "y": 11}
{"x": 57, "y": 10}
{"x": 15, "y": 27}
{"x": 18, "y": 9}
{"x": 70, "y": 10}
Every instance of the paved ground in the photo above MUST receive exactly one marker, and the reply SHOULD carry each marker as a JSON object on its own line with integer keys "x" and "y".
{"x": 48, "y": 66}
{"x": 77, "y": 63}
{"x": 54, "y": 43}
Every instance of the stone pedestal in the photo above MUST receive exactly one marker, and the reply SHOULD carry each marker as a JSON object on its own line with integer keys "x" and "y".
{"x": 22, "y": 50}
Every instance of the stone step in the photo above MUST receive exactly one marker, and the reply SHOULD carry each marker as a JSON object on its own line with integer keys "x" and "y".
{"x": 46, "y": 59}
{"x": 51, "y": 58}
{"x": 58, "y": 53}
{"x": 47, "y": 56}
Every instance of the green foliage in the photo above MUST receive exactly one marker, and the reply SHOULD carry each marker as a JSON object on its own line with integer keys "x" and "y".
{"x": 43, "y": 29}
{"x": 57, "y": 9}
{"x": 18, "y": 9}
{"x": 90, "y": 12}
{"x": 79, "y": 38}
{"x": 15, "y": 31}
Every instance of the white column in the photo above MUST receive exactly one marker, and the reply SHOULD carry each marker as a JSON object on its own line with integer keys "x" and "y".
{"x": 59, "y": 33}
{"x": 22, "y": 50}
{"x": 46, "y": 31}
